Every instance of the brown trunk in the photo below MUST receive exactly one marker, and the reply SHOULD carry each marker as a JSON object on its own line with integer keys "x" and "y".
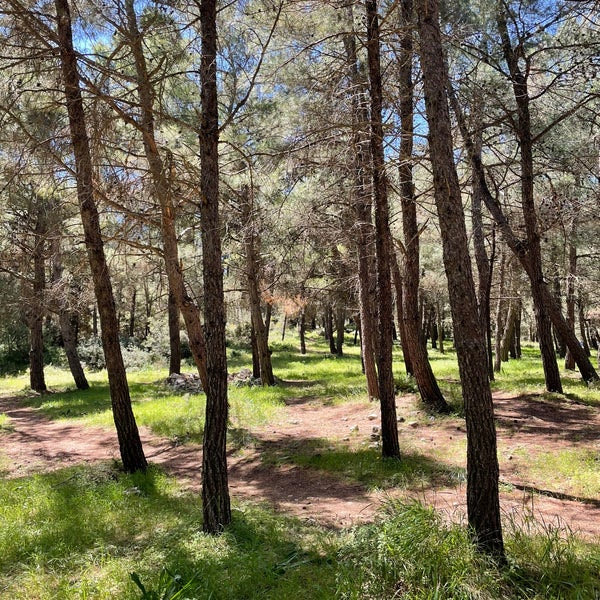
{"x": 215, "y": 490}
{"x": 399, "y": 287}
{"x": 283, "y": 325}
{"x": 500, "y": 311}
{"x": 340, "y": 320}
{"x": 268, "y": 313}
{"x": 362, "y": 209}
{"x": 95, "y": 322}
{"x": 161, "y": 175}
{"x": 431, "y": 395}
{"x": 36, "y": 308}
{"x": 174, "y": 335}
{"x": 559, "y": 342}
{"x": 252, "y": 278}
{"x": 383, "y": 242}
{"x": 582, "y": 329}
{"x": 523, "y": 131}
{"x": 571, "y": 277}
{"x": 521, "y": 251}
{"x": 130, "y": 444}
{"x": 132, "y": 313}
{"x": 254, "y": 348}
{"x": 67, "y": 320}
{"x": 509, "y": 330}
{"x": 302, "y": 333}
{"x": 440, "y": 327}
{"x": 483, "y": 505}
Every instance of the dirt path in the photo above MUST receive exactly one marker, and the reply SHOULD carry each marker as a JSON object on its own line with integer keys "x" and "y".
{"x": 38, "y": 444}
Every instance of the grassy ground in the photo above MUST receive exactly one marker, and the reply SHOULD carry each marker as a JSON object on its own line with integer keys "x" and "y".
{"x": 80, "y": 532}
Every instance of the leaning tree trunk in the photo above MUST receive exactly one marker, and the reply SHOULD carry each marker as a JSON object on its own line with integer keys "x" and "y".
{"x": 215, "y": 489}
{"x": 174, "y": 335}
{"x": 399, "y": 287}
{"x": 127, "y": 432}
{"x": 66, "y": 319}
{"x": 160, "y": 171}
{"x": 582, "y": 328}
{"x": 571, "y": 277}
{"x": 483, "y": 505}
{"x": 383, "y": 242}
{"x": 521, "y": 251}
{"x": 523, "y": 131}
{"x": 36, "y": 308}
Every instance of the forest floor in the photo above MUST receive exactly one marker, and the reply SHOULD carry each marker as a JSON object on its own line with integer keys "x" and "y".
{"x": 316, "y": 459}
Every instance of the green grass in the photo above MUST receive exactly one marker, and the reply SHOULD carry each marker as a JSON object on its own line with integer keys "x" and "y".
{"x": 79, "y": 533}
{"x": 5, "y": 423}
{"x": 367, "y": 466}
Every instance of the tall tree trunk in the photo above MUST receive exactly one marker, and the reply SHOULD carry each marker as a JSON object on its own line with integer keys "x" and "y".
{"x": 67, "y": 319}
{"x": 340, "y": 320}
{"x": 399, "y": 287}
{"x": 95, "y": 321}
{"x": 329, "y": 327}
{"x": 174, "y": 335}
{"x": 500, "y": 311}
{"x": 521, "y": 250}
{"x": 36, "y": 308}
{"x": 268, "y": 314}
{"x": 302, "y": 333}
{"x": 283, "y": 325}
{"x": 161, "y": 172}
{"x": 383, "y": 242}
{"x": 130, "y": 444}
{"x": 582, "y": 328}
{"x": 252, "y": 278}
{"x": 483, "y": 505}
{"x": 559, "y": 342}
{"x": 571, "y": 278}
{"x": 215, "y": 490}
{"x": 430, "y": 392}
{"x": 254, "y": 348}
{"x": 438, "y": 312}
{"x": 362, "y": 208}
{"x": 523, "y": 131}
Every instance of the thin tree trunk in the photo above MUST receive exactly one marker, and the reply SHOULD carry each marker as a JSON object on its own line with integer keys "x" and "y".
{"x": 66, "y": 320}
{"x": 340, "y": 319}
{"x": 174, "y": 335}
{"x": 483, "y": 505}
{"x": 582, "y": 328}
{"x": 329, "y": 328}
{"x": 430, "y": 392}
{"x": 215, "y": 490}
{"x": 523, "y": 131}
{"x": 161, "y": 172}
{"x": 399, "y": 287}
{"x": 571, "y": 278}
{"x": 500, "y": 312}
{"x": 283, "y": 326}
{"x": 131, "y": 330}
{"x": 302, "y": 332}
{"x": 268, "y": 314}
{"x": 130, "y": 444}
{"x": 95, "y": 322}
{"x": 254, "y": 348}
{"x": 440, "y": 328}
{"x": 36, "y": 308}
{"x": 252, "y": 278}
{"x": 383, "y": 242}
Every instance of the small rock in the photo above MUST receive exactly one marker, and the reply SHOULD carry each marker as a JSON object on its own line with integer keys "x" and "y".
{"x": 344, "y": 418}
{"x": 401, "y": 419}
{"x": 413, "y": 424}
{"x": 294, "y": 422}
{"x": 374, "y": 445}
{"x": 372, "y": 417}
{"x": 376, "y": 429}
{"x": 346, "y": 439}
{"x": 354, "y": 428}
{"x": 375, "y": 437}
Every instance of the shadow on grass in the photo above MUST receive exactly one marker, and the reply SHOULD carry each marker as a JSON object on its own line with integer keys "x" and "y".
{"x": 95, "y": 523}
{"x": 366, "y": 466}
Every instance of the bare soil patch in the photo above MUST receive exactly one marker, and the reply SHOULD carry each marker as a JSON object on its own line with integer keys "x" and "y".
{"x": 37, "y": 444}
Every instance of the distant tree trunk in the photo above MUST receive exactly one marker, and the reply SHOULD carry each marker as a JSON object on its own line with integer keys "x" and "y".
{"x": 268, "y": 313}
{"x": 283, "y": 325}
{"x": 383, "y": 242}
{"x": 559, "y": 342}
{"x": 174, "y": 335}
{"x": 36, "y": 308}
{"x": 500, "y": 312}
{"x": 252, "y": 277}
{"x": 302, "y": 332}
{"x": 254, "y": 347}
{"x": 440, "y": 328}
{"x": 215, "y": 490}
{"x": 148, "y": 309}
{"x": 340, "y": 319}
{"x": 509, "y": 330}
{"x": 524, "y": 135}
{"x": 582, "y": 329}
{"x": 161, "y": 172}
{"x": 130, "y": 444}
{"x": 95, "y": 322}
{"x": 329, "y": 328}
{"x": 571, "y": 278}
{"x": 132, "y": 313}
{"x": 67, "y": 320}
{"x": 399, "y": 287}
{"x": 483, "y": 505}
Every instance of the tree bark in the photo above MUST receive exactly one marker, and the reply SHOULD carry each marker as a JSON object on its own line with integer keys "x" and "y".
{"x": 523, "y": 131}
{"x": 131, "y": 329}
{"x": 483, "y": 505}
{"x": 36, "y": 307}
{"x": 66, "y": 319}
{"x": 252, "y": 279}
{"x": 174, "y": 335}
{"x": 399, "y": 287}
{"x": 571, "y": 279}
{"x": 215, "y": 489}
{"x": 340, "y": 320}
{"x": 130, "y": 444}
{"x": 302, "y": 333}
{"x": 383, "y": 242}
{"x": 160, "y": 171}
